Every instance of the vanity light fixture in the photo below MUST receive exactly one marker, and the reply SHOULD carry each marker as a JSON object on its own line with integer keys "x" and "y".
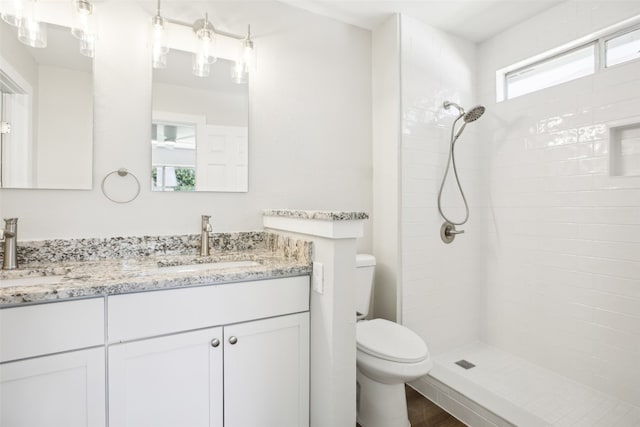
{"x": 246, "y": 60}
{"x": 205, "y": 50}
{"x": 31, "y": 31}
{"x": 160, "y": 47}
{"x": 12, "y": 12}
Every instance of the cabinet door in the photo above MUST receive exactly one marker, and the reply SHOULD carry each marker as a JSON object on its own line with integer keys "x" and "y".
{"x": 63, "y": 390}
{"x": 267, "y": 372}
{"x": 171, "y": 381}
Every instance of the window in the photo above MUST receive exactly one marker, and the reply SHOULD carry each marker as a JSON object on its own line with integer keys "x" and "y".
{"x": 562, "y": 68}
{"x": 614, "y": 45}
{"x": 623, "y": 48}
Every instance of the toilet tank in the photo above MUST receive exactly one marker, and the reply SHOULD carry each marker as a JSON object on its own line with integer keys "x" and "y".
{"x": 365, "y": 266}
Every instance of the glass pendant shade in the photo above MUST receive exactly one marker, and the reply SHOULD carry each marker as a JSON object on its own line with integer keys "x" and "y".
{"x": 245, "y": 61}
{"x": 84, "y": 21}
{"x": 205, "y": 51}
{"x": 160, "y": 47}
{"x": 159, "y": 60}
{"x": 88, "y": 45}
{"x": 248, "y": 50}
{"x": 239, "y": 73}
{"x": 200, "y": 67}
{"x": 12, "y": 11}
{"x": 31, "y": 31}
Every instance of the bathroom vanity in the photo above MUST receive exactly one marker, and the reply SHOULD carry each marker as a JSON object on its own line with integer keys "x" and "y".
{"x": 159, "y": 340}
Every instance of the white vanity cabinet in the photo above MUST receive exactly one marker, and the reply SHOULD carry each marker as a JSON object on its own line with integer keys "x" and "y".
{"x": 169, "y": 381}
{"x": 266, "y": 372}
{"x": 52, "y": 365}
{"x": 233, "y": 355}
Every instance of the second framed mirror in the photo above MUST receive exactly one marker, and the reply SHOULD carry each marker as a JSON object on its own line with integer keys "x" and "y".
{"x": 200, "y": 136}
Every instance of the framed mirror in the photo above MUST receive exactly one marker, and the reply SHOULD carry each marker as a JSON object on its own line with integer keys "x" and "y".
{"x": 200, "y": 137}
{"x": 47, "y": 106}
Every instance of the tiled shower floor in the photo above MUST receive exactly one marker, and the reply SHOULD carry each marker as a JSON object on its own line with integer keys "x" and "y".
{"x": 511, "y": 386}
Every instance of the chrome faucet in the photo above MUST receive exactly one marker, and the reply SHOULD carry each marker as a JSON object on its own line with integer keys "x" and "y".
{"x": 204, "y": 235}
{"x": 10, "y": 237}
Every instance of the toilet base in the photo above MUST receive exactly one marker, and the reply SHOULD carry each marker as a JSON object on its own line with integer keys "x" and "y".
{"x": 381, "y": 405}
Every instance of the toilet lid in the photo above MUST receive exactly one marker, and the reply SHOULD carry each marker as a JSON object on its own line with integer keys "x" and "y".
{"x": 390, "y": 341}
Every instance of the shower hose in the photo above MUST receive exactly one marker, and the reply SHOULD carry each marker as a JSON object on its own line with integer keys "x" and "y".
{"x": 452, "y": 161}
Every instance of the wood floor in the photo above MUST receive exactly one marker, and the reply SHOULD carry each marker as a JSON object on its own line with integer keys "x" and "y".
{"x": 424, "y": 413}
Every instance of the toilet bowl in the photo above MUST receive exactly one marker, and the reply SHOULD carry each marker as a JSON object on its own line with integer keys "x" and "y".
{"x": 387, "y": 356}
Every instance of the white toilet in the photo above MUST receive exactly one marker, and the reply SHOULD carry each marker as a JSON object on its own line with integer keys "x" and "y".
{"x": 388, "y": 355}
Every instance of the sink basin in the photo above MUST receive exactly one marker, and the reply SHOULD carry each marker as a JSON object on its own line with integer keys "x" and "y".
{"x": 188, "y": 268}
{"x": 30, "y": 281}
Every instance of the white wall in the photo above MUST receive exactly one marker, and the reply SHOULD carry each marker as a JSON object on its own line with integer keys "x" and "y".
{"x": 564, "y": 237}
{"x": 310, "y": 127}
{"x": 386, "y": 167}
{"x": 441, "y": 284}
{"x": 63, "y": 146}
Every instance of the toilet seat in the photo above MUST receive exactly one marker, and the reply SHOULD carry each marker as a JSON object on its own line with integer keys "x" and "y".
{"x": 390, "y": 341}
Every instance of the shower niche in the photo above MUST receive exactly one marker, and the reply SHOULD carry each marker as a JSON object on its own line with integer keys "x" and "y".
{"x": 624, "y": 150}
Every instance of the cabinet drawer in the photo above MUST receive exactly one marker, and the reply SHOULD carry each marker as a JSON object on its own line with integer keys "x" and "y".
{"x": 155, "y": 313}
{"x": 50, "y": 328}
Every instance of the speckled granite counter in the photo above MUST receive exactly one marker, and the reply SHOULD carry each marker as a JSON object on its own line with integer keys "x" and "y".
{"x": 95, "y": 267}
{"x": 321, "y": 215}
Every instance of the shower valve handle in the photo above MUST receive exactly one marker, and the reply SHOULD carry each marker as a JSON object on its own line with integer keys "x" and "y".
{"x": 448, "y": 232}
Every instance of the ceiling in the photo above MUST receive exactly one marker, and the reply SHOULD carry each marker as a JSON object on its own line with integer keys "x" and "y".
{"x": 474, "y": 20}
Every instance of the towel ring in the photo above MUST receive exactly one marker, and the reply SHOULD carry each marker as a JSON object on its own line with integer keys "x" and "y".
{"x": 121, "y": 172}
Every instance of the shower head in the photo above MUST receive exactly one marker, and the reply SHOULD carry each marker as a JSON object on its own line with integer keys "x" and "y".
{"x": 468, "y": 117}
{"x": 474, "y": 114}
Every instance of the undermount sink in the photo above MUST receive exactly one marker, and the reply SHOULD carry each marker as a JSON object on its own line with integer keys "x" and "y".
{"x": 188, "y": 268}
{"x": 31, "y": 280}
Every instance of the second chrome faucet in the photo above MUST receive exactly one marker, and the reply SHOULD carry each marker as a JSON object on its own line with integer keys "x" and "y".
{"x": 205, "y": 232}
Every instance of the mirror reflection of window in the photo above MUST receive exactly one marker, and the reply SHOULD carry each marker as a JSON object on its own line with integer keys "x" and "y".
{"x": 211, "y": 114}
{"x": 173, "y": 148}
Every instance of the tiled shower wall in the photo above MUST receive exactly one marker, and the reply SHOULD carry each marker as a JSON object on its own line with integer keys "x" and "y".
{"x": 563, "y": 279}
{"x": 441, "y": 284}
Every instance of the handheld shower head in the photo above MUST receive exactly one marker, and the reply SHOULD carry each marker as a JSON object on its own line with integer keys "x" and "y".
{"x": 475, "y": 113}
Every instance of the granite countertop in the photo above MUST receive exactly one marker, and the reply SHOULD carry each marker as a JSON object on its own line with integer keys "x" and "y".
{"x": 321, "y": 215}
{"x": 110, "y": 277}
{"x": 99, "y": 277}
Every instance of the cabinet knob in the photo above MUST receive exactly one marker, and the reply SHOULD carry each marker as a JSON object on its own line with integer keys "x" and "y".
{"x": 215, "y": 342}
{"x": 233, "y": 340}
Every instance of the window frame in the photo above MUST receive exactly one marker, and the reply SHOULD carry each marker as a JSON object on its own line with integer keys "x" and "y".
{"x": 599, "y": 39}
{"x": 605, "y": 39}
{"x": 596, "y": 58}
